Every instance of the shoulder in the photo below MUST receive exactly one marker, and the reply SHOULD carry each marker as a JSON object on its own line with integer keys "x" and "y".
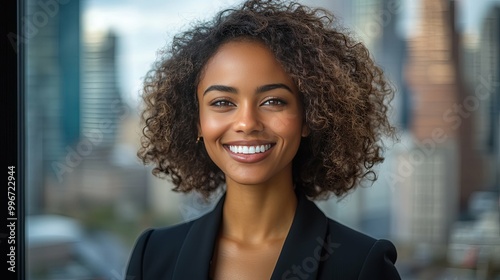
{"x": 359, "y": 256}
{"x": 162, "y": 252}
{"x": 350, "y": 237}
{"x": 154, "y": 248}
{"x": 173, "y": 233}
{"x": 153, "y": 239}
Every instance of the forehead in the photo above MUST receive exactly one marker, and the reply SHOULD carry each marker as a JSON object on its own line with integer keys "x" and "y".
{"x": 244, "y": 58}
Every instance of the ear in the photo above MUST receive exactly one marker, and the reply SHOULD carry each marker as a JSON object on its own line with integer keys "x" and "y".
{"x": 305, "y": 130}
{"x": 199, "y": 129}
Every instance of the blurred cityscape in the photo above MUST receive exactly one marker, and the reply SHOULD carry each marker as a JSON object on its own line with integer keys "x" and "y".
{"x": 88, "y": 197}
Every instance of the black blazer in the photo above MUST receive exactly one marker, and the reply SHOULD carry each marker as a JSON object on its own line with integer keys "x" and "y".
{"x": 315, "y": 248}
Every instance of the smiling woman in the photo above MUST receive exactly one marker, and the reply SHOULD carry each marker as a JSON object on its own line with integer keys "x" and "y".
{"x": 247, "y": 100}
{"x": 272, "y": 102}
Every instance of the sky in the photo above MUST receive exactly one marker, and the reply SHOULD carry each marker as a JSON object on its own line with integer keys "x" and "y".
{"x": 144, "y": 27}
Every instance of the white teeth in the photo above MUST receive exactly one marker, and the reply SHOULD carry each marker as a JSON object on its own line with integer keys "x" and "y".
{"x": 249, "y": 149}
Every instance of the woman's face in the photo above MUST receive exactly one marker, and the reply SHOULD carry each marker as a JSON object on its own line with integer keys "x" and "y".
{"x": 250, "y": 114}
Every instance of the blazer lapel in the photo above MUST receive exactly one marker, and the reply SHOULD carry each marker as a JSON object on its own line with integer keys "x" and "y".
{"x": 195, "y": 255}
{"x": 302, "y": 251}
{"x": 299, "y": 257}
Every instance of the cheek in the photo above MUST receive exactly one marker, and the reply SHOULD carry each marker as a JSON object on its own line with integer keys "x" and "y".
{"x": 212, "y": 126}
{"x": 287, "y": 124}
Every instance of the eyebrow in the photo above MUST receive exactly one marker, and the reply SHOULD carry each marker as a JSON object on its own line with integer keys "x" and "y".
{"x": 260, "y": 89}
{"x": 220, "y": 88}
{"x": 269, "y": 87}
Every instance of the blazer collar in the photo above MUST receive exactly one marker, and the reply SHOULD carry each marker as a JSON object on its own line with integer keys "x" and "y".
{"x": 299, "y": 254}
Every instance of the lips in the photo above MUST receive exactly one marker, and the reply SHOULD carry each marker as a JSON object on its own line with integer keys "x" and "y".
{"x": 248, "y": 152}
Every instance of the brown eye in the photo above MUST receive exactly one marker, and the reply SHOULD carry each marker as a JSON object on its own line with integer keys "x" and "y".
{"x": 274, "y": 102}
{"x": 221, "y": 103}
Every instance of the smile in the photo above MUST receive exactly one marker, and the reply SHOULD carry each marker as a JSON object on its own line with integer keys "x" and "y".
{"x": 249, "y": 149}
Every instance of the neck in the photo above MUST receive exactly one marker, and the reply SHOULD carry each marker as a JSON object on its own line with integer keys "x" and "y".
{"x": 258, "y": 213}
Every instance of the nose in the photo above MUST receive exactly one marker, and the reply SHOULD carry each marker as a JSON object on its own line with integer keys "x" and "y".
{"x": 247, "y": 119}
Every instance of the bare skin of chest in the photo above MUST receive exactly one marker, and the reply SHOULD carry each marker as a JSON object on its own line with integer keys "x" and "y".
{"x": 233, "y": 260}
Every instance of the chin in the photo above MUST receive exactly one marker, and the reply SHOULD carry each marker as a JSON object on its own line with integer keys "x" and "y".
{"x": 249, "y": 180}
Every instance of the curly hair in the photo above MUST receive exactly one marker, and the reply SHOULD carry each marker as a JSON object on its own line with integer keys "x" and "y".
{"x": 344, "y": 94}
